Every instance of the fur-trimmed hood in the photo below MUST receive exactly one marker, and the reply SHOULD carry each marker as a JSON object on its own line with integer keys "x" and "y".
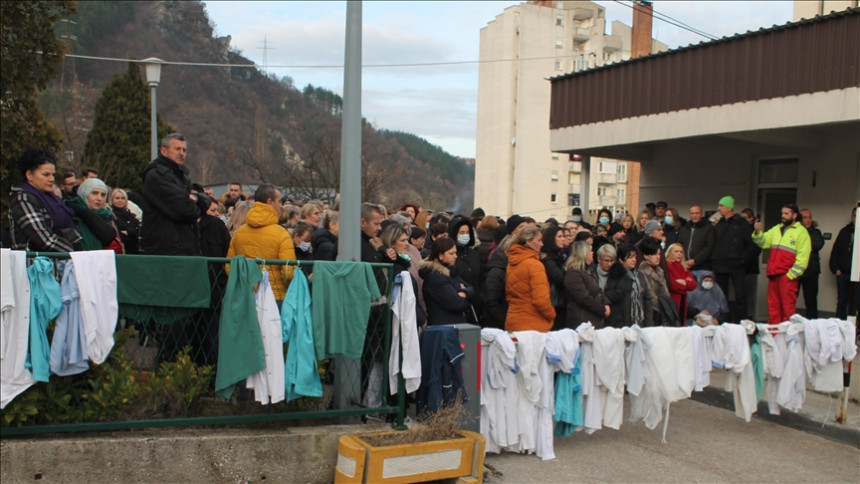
{"x": 428, "y": 266}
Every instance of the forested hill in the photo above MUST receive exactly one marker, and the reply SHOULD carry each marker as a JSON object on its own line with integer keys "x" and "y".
{"x": 241, "y": 124}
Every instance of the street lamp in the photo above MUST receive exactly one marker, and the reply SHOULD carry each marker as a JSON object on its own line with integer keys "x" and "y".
{"x": 153, "y": 77}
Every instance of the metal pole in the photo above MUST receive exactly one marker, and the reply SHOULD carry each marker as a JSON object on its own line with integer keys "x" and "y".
{"x": 153, "y": 124}
{"x": 349, "y": 238}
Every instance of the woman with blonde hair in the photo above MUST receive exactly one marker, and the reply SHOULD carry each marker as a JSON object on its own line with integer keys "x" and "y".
{"x": 681, "y": 280}
{"x": 585, "y": 299}
{"x": 527, "y": 285}
{"x": 238, "y": 216}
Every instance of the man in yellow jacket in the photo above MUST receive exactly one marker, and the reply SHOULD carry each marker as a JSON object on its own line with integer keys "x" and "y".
{"x": 790, "y": 246}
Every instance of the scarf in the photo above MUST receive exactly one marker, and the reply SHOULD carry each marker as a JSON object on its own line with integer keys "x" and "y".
{"x": 637, "y": 311}
{"x": 89, "y": 241}
{"x": 61, "y": 215}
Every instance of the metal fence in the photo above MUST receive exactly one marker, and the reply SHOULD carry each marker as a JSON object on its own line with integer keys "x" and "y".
{"x": 162, "y": 369}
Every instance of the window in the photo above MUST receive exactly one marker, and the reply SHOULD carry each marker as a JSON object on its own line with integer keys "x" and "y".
{"x": 557, "y": 64}
{"x": 778, "y": 171}
{"x": 559, "y": 44}
{"x": 555, "y": 156}
{"x": 601, "y": 191}
{"x": 553, "y": 198}
{"x": 554, "y": 175}
{"x": 574, "y": 178}
{"x": 559, "y": 21}
{"x": 576, "y": 166}
{"x": 573, "y": 199}
{"x": 608, "y": 167}
{"x": 621, "y": 193}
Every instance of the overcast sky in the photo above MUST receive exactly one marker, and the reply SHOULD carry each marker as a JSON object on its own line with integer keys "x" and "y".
{"x": 437, "y": 102}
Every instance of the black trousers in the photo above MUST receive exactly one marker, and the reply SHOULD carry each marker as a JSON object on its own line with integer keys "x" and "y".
{"x": 738, "y": 306}
{"x": 809, "y": 286}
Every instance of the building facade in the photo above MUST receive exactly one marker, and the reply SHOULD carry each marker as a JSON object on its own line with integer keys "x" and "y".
{"x": 515, "y": 169}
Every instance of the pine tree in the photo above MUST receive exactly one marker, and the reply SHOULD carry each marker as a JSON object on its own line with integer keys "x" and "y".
{"x": 32, "y": 55}
{"x": 118, "y": 145}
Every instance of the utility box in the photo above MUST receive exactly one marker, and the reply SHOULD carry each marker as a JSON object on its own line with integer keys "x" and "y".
{"x": 470, "y": 342}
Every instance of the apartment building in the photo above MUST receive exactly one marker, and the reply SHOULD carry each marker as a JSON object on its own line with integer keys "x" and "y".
{"x": 515, "y": 169}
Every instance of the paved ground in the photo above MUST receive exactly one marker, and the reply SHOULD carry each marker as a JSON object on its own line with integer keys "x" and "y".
{"x": 706, "y": 442}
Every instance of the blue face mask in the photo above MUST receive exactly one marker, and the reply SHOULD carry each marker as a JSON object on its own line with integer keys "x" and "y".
{"x": 603, "y": 220}
{"x": 405, "y": 257}
{"x": 463, "y": 239}
{"x": 427, "y": 226}
{"x": 223, "y": 218}
{"x": 668, "y": 220}
{"x": 304, "y": 246}
{"x": 576, "y": 218}
{"x": 663, "y": 245}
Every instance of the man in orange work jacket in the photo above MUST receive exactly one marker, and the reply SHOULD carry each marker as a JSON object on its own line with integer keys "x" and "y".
{"x": 790, "y": 246}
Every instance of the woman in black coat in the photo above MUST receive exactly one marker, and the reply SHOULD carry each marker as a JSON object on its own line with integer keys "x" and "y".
{"x": 469, "y": 266}
{"x": 126, "y": 221}
{"x": 585, "y": 299}
{"x": 552, "y": 256}
{"x": 445, "y": 293}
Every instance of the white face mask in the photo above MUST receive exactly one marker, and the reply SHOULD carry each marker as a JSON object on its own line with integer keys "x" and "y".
{"x": 707, "y": 285}
{"x": 304, "y": 246}
{"x": 463, "y": 239}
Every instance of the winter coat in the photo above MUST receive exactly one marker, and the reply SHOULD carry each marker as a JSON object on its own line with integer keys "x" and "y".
{"x": 702, "y": 236}
{"x": 789, "y": 249}
{"x": 441, "y": 288}
{"x": 733, "y": 245}
{"x": 619, "y": 290}
{"x": 495, "y": 300}
{"x": 678, "y": 290}
{"x": 261, "y": 237}
{"x": 813, "y": 269}
{"x": 324, "y": 245}
{"x": 711, "y": 300}
{"x": 170, "y": 216}
{"x": 487, "y": 238}
{"x": 554, "y": 266}
{"x": 656, "y": 284}
{"x": 527, "y": 290}
{"x": 585, "y": 299}
{"x": 469, "y": 266}
{"x": 842, "y": 251}
{"x": 127, "y": 222}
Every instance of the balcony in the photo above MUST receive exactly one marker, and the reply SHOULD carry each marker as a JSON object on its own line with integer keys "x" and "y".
{"x": 581, "y": 14}
{"x": 607, "y": 178}
{"x": 581, "y": 35}
{"x": 611, "y": 43}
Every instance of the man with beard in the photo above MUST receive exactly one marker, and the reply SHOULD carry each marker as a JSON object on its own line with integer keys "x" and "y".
{"x": 790, "y": 246}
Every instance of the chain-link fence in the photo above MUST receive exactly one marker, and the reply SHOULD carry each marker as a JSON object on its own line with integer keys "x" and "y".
{"x": 164, "y": 363}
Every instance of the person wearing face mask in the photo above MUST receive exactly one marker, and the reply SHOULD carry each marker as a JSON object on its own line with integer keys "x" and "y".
{"x": 303, "y": 236}
{"x": 706, "y": 303}
{"x": 671, "y": 226}
{"x": 94, "y": 218}
{"x": 576, "y": 216}
{"x": 604, "y": 218}
{"x": 469, "y": 265}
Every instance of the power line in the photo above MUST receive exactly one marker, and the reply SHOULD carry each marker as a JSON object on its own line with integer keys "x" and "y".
{"x": 333, "y": 66}
{"x": 672, "y": 21}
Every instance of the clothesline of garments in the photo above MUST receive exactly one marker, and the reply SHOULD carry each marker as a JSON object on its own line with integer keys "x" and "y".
{"x": 538, "y": 386}
{"x": 332, "y": 321}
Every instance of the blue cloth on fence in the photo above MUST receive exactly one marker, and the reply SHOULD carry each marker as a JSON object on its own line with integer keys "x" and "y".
{"x": 240, "y": 342}
{"x": 341, "y": 307}
{"x": 441, "y": 375}
{"x": 568, "y": 401}
{"x": 69, "y": 353}
{"x": 301, "y": 375}
{"x": 45, "y": 305}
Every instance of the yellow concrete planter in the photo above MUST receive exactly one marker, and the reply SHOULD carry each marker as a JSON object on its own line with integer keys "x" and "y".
{"x": 360, "y": 462}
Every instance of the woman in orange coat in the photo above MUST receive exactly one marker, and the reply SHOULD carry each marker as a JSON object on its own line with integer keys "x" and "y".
{"x": 526, "y": 285}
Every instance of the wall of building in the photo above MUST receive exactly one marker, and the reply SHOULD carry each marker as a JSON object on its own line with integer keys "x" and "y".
{"x": 810, "y": 8}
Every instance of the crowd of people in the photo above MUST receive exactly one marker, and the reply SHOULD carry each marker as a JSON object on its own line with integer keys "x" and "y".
{"x": 647, "y": 268}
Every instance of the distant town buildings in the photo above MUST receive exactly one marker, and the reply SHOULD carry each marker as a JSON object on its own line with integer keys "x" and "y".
{"x": 515, "y": 170}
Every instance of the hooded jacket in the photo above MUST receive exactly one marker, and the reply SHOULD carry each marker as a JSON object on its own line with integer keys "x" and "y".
{"x": 324, "y": 245}
{"x": 441, "y": 285}
{"x": 261, "y": 237}
{"x": 527, "y": 290}
{"x": 469, "y": 265}
{"x": 711, "y": 300}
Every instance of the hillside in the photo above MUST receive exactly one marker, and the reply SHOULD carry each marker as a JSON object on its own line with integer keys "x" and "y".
{"x": 241, "y": 124}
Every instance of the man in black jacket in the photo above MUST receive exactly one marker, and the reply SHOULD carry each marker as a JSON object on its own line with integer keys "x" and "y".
{"x": 733, "y": 246}
{"x": 697, "y": 237}
{"x": 840, "y": 264}
{"x": 809, "y": 279}
{"x": 172, "y": 208}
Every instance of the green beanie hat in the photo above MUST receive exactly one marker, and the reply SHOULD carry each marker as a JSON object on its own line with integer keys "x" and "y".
{"x": 728, "y": 201}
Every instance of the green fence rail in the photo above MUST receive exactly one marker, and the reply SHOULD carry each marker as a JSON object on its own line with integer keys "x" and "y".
{"x": 161, "y": 371}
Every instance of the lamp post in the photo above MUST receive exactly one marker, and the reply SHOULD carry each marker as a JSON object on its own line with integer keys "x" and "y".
{"x": 153, "y": 77}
